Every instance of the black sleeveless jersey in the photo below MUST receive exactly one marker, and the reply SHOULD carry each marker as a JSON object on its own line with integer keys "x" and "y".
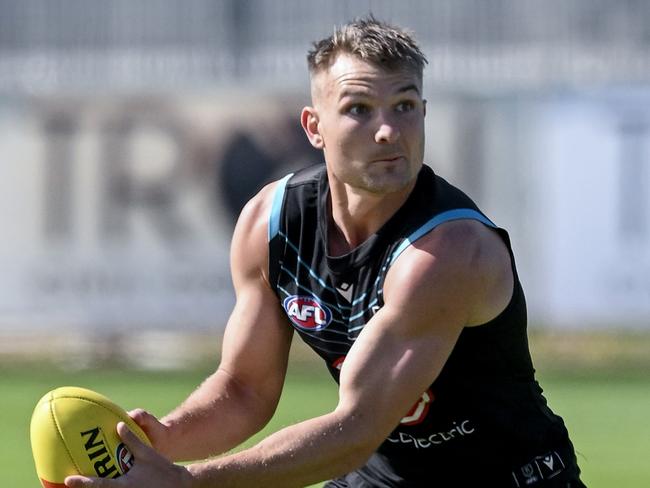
{"x": 483, "y": 421}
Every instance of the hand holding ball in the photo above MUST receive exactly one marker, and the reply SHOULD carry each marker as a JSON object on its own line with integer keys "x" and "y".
{"x": 73, "y": 432}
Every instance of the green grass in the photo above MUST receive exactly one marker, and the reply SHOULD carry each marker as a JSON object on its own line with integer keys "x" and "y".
{"x": 606, "y": 414}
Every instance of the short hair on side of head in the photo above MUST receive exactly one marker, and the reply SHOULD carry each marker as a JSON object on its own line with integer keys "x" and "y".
{"x": 370, "y": 40}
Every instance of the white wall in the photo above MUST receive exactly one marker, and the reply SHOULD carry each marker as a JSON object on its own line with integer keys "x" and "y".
{"x": 141, "y": 237}
{"x": 574, "y": 185}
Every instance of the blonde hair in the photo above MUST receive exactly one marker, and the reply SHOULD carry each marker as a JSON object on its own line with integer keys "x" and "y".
{"x": 371, "y": 40}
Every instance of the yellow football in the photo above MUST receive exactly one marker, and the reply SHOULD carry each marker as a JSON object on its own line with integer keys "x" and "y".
{"x": 73, "y": 432}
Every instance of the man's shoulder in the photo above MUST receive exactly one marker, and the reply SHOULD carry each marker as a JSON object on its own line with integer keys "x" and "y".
{"x": 455, "y": 238}
{"x": 257, "y": 213}
{"x": 457, "y": 248}
{"x": 462, "y": 255}
{"x": 307, "y": 175}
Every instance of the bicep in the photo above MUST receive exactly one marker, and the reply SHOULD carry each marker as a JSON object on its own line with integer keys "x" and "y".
{"x": 256, "y": 343}
{"x": 257, "y": 337}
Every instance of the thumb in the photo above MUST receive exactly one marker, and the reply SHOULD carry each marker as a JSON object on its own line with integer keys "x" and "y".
{"x": 132, "y": 441}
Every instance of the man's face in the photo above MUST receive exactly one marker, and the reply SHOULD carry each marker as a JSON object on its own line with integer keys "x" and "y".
{"x": 371, "y": 124}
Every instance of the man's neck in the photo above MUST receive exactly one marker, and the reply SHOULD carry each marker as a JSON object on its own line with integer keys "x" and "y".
{"x": 354, "y": 215}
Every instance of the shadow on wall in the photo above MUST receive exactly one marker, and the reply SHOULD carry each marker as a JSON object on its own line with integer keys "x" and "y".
{"x": 153, "y": 156}
{"x": 247, "y": 164}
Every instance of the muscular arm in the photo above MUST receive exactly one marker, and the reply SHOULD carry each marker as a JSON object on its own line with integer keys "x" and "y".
{"x": 241, "y": 396}
{"x": 457, "y": 276}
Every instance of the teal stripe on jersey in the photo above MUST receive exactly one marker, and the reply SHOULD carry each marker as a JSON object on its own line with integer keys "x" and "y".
{"x": 449, "y": 215}
{"x": 276, "y": 207}
{"x": 312, "y": 273}
{"x": 320, "y": 281}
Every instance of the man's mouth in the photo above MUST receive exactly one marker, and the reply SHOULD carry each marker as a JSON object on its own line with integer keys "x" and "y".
{"x": 389, "y": 158}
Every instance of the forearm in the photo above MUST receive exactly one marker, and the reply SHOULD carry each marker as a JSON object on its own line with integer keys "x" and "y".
{"x": 215, "y": 418}
{"x": 311, "y": 451}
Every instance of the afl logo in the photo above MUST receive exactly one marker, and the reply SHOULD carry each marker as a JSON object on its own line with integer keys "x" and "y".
{"x": 124, "y": 458}
{"x": 307, "y": 313}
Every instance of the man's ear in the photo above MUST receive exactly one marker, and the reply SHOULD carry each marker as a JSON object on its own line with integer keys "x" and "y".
{"x": 309, "y": 121}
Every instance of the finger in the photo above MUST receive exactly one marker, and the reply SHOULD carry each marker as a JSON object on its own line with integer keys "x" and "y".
{"x": 141, "y": 416}
{"x": 83, "y": 482}
{"x": 137, "y": 413}
{"x": 145, "y": 421}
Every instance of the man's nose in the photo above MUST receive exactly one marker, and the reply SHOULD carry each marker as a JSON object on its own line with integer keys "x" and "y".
{"x": 387, "y": 131}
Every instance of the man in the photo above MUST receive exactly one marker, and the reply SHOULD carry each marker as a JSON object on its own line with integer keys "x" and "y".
{"x": 396, "y": 279}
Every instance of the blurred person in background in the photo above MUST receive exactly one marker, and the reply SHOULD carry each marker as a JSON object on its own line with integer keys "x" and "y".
{"x": 396, "y": 279}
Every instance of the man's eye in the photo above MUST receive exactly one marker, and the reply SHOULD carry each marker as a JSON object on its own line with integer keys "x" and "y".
{"x": 358, "y": 109}
{"x": 406, "y": 106}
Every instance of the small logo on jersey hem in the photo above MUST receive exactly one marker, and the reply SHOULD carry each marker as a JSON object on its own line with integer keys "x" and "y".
{"x": 307, "y": 313}
{"x": 538, "y": 469}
